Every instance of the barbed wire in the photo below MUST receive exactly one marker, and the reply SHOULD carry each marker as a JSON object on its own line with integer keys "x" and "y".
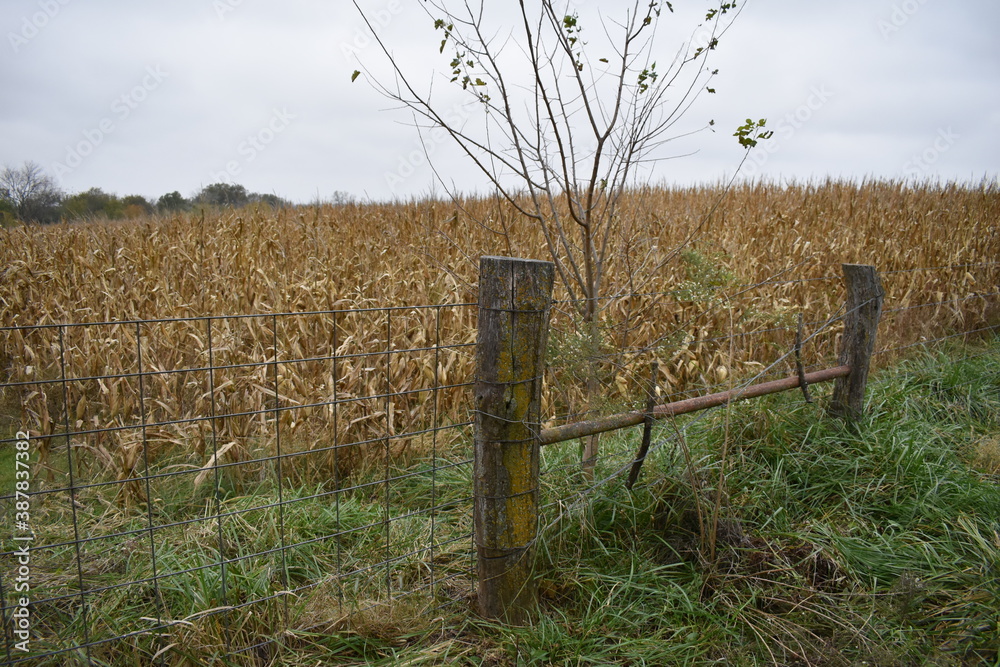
{"x": 699, "y": 390}
{"x": 940, "y": 303}
{"x": 636, "y": 376}
{"x": 993, "y": 327}
{"x": 938, "y": 268}
{"x": 616, "y": 361}
{"x": 583, "y": 494}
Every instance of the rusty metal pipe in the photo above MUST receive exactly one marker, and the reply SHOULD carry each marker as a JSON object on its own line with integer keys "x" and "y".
{"x": 551, "y": 436}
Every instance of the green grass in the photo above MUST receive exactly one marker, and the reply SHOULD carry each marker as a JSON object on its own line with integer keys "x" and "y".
{"x": 875, "y": 543}
{"x": 327, "y": 531}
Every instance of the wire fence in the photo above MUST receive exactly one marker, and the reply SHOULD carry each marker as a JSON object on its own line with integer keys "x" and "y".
{"x": 709, "y": 330}
{"x": 213, "y": 482}
{"x": 208, "y": 484}
{"x": 728, "y": 337}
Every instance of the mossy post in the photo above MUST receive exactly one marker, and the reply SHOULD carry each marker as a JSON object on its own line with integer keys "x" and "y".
{"x": 514, "y": 301}
{"x": 857, "y": 345}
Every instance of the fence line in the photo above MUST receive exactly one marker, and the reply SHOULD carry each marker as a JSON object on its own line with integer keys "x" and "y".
{"x": 273, "y": 458}
{"x": 626, "y": 461}
{"x": 636, "y": 380}
{"x": 665, "y": 339}
{"x": 330, "y": 449}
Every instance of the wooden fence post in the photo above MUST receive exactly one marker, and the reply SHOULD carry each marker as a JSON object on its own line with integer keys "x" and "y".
{"x": 857, "y": 345}
{"x": 514, "y": 301}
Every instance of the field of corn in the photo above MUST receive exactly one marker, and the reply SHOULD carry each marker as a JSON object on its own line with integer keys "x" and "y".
{"x": 358, "y": 321}
{"x": 361, "y": 258}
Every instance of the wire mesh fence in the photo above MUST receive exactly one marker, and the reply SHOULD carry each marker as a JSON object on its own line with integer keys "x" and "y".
{"x": 207, "y": 484}
{"x": 212, "y": 482}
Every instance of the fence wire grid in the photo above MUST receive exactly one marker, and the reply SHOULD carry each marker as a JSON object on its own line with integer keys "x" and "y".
{"x": 218, "y": 481}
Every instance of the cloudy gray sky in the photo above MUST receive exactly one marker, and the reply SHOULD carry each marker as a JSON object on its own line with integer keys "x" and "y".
{"x": 150, "y": 97}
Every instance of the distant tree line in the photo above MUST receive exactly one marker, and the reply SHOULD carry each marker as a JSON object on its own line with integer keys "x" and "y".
{"x": 29, "y": 194}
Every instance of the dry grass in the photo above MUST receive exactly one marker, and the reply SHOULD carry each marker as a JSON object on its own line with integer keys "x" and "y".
{"x": 370, "y": 256}
{"x": 986, "y": 456}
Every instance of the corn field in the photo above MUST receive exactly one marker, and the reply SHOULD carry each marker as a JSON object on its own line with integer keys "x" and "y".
{"x": 757, "y": 258}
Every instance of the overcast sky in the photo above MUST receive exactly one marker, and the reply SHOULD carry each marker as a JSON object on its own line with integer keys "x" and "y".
{"x": 150, "y": 97}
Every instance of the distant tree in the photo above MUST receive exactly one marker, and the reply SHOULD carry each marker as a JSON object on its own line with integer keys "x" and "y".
{"x": 94, "y": 202}
{"x": 338, "y": 198}
{"x": 136, "y": 205}
{"x": 8, "y": 216}
{"x": 172, "y": 201}
{"x": 341, "y": 198}
{"x": 223, "y": 194}
{"x": 30, "y": 193}
{"x": 272, "y": 200}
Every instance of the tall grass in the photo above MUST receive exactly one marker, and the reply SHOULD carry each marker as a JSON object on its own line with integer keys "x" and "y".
{"x": 220, "y": 583}
{"x": 869, "y": 544}
{"x": 841, "y": 545}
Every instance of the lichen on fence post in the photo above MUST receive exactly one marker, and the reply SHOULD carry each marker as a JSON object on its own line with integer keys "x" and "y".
{"x": 857, "y": 345}
{"x": 514, "y": 301}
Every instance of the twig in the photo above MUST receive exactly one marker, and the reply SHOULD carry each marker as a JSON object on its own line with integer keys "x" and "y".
{"x": 647, "y": 429}
{"x": 798, "y": 362}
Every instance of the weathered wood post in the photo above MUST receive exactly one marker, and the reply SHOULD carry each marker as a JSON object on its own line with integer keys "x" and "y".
{"x": 514, "y": 300}
{"x": 864, "y": 309}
